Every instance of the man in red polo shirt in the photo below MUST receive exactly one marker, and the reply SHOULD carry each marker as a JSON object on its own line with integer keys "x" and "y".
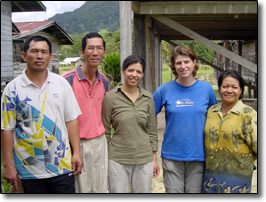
{"x": 89, "y": 86}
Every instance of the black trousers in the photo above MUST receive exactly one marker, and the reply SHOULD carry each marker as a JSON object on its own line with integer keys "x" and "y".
{"x": 61, "y": 184}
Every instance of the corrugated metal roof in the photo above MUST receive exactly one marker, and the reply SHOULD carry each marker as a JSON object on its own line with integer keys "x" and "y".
{"x": 25, "y": 27}
{"x": 30, "y": 28}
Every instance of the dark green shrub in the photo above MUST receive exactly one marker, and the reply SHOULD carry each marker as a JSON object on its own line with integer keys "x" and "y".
{"x": 111, "y": 68}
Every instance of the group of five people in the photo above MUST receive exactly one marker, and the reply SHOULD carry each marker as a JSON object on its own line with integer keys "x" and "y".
{"x": 86, "y": 138}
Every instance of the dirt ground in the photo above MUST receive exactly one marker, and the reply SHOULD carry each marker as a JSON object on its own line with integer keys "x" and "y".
{"x": 157, "y": 183}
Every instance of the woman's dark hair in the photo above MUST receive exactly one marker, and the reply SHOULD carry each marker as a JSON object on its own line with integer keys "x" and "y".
{"x": 89, "y": 36}
{"x": 234, "y": 74}
{"x": 133, "y": 59}
{"x": 186, "y": 51}
{"x": 37, "y": 38}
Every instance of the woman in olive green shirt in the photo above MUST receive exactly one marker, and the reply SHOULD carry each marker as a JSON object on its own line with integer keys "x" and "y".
{"x": 129, "y": 110}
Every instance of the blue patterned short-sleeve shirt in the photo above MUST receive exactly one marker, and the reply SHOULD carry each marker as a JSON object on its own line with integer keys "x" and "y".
{"x": 37, "y": 118}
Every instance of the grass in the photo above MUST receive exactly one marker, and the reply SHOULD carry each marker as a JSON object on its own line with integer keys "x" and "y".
{"x": 168, "y": 76}
{"x": 203, "y": 72}
{"x": 63, "y": 69}
{"x": 4, "y": 185}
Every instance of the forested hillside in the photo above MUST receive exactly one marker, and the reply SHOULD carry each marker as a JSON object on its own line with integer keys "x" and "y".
{"x": 91, "y": 16}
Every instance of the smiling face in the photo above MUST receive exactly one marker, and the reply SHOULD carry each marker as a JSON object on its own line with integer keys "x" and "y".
{"x": 230, "y": 90}
{"x": 93, "y": 52}
{"x": 133, "y": 74}
{"x": 184, "y": 66}
{"x": 38, "y": 56}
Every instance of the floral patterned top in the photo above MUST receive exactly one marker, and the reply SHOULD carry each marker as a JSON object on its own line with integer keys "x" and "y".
{"x": 231, "y": 148}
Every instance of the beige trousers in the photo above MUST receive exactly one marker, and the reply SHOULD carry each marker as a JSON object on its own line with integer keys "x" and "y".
{"x": 93, "y": 178}
{"x": 124, "y": 178}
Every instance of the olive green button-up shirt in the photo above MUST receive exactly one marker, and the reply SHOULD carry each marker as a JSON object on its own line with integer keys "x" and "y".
{"x": 134, "y": 123}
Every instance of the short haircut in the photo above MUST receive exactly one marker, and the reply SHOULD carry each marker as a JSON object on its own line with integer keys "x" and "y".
{"x": 133, "y": 59}
{"x": 185, "y": 51}
{"x": 89, "y": 36}
{"x": 37, "y": 38}
{"x": 234, "y": 74}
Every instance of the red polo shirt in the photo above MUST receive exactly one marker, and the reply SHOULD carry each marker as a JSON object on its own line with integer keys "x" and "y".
{"x": 89, "y": 100}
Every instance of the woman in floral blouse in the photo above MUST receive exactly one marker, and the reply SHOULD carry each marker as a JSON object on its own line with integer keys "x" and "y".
{"x": 230, "y": 139}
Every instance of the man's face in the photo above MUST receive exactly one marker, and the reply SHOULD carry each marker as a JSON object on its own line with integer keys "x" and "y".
{"x": 38, "y": 56}
{"x": 94, "y": 52}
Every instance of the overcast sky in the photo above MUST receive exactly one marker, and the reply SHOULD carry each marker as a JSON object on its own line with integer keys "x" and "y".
{"x": 52, "y": 8}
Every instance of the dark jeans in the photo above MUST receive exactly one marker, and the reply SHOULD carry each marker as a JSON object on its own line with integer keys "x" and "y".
{"x": 61, "y": 184}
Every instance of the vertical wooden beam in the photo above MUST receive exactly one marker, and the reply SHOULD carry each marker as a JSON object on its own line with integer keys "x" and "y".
{"x": 125, "y": 31}
{"x": 249, "y": 90}
{"x": 239, "y": 45}
{"x": 139, "y": 40}
{"x": 149, "y": 83}
{"x": 256, "y": 75}
{"x": 157, "y": 59}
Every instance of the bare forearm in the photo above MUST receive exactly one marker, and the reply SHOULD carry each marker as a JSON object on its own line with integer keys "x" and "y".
{"x": 7, "y": 147}
{"x": 156, "y": 169}
{"x": 10, "y": 173}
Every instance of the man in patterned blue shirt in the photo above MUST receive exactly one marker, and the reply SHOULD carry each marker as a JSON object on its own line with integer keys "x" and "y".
{"x": 39, "y": 127}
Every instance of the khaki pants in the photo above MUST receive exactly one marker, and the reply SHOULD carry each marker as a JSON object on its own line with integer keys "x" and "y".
{"x": 123, "y": 177}
{"x": 183, "y": 176}
{"x": 93, "y": 178}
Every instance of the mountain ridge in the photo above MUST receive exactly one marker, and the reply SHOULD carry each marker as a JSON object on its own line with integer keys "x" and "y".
{"x": 91, "y": 16}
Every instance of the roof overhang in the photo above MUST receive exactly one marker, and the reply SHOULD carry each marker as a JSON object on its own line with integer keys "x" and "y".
{"x": 53, "y": 29}
{"x": 27, "y": 6}
{"x": 215, "y": 20}
{"x": 15, "y": 30}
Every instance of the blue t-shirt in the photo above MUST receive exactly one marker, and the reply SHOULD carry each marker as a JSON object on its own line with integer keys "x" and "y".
{"x": 185, "y": 115}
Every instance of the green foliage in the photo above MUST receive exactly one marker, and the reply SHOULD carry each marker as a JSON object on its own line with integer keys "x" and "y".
{"x": 201, "y": 50}
{"x": 64, "y": 68}
{"x": 111, "y": 68}
{"x": 167, "y": 74}
{"x": 71, "y": 51}
{"x": 206, "y": 67}
{"x": 166, "y": 51}
{"x": 4, "y": 185}
{"x": 112, "y": 41}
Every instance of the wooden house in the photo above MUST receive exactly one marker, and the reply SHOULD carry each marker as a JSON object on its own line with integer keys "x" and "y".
{"x": 7, "y": 27}
{"x": 48, "y": 29}
{"x": 74, "y": 62}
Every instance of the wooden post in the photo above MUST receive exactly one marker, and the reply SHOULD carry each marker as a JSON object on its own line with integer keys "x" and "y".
{"x": 125, "y": 31}
{"x": 239, "y": 45}
{"x": 249, "y": 90}
{"x": 149, "y": 83}
{"x": 157, "y": 60}
{"x": 139, "y": 40}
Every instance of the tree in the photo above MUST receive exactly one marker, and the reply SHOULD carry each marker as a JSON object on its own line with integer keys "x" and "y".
{"x": 111, "y": 68}
{"x": 112, "y": 40}
{"x": 166, "y": 51}
{"x": 71, "y": 50}
{"x": 201, "y": 50}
